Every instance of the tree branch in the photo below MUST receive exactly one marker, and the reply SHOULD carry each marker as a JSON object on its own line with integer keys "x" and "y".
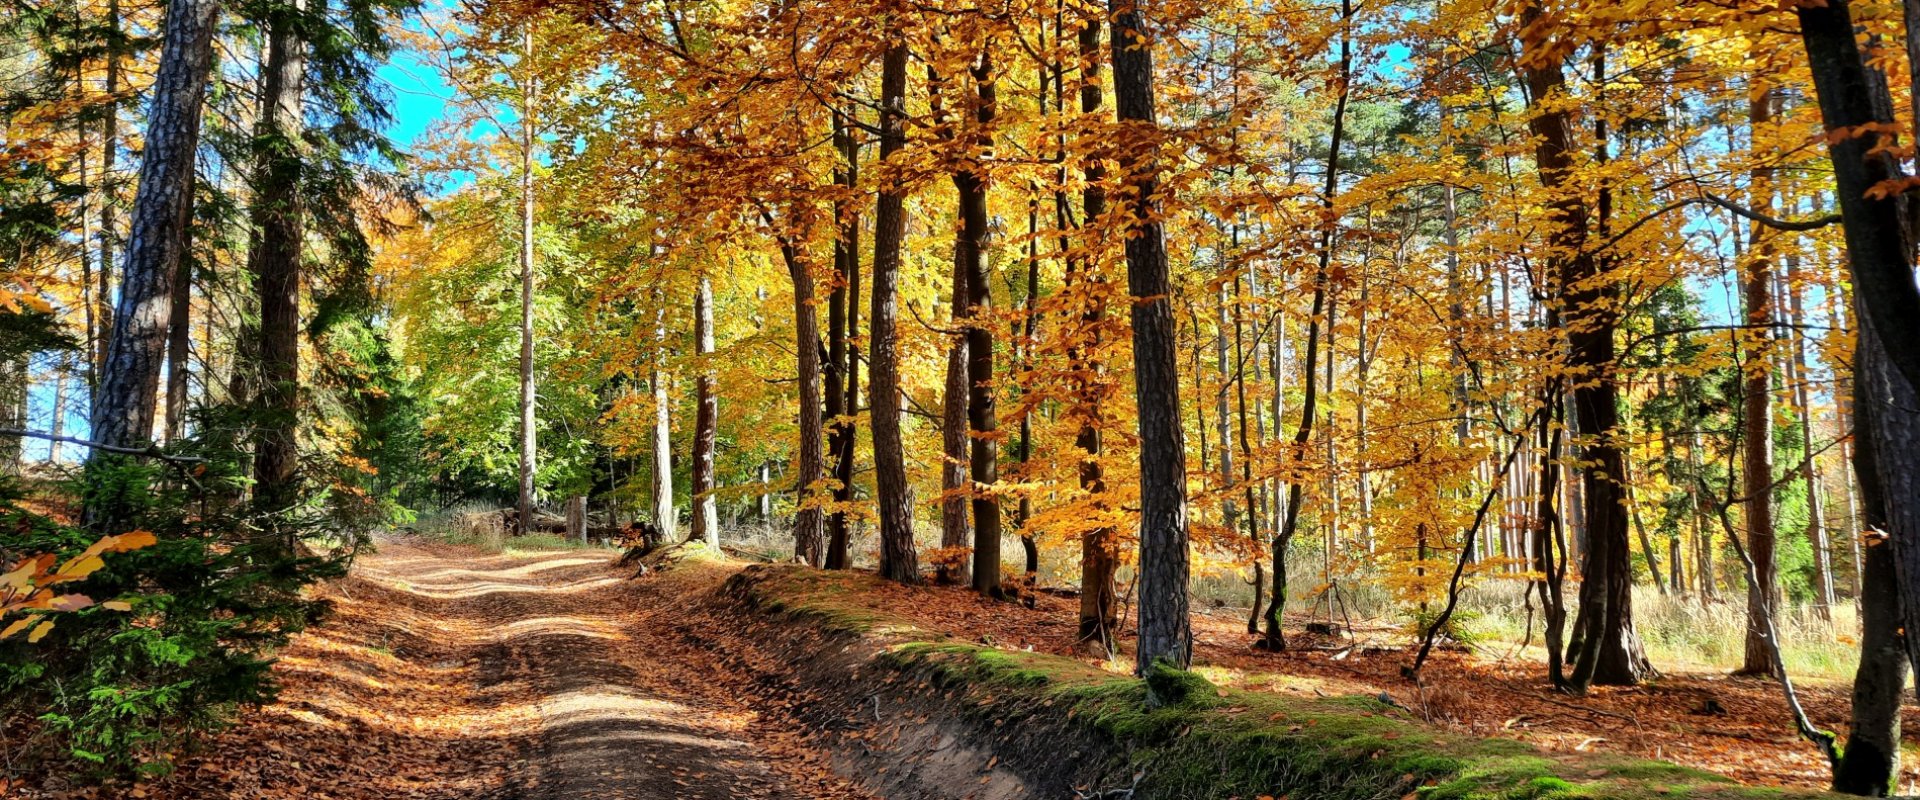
{"x": 148, "y": 452}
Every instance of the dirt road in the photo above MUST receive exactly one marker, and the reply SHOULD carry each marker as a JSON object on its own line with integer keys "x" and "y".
{"x": 451, "y": 674}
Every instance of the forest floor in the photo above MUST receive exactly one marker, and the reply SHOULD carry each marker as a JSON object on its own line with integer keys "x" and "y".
{"x": 446, "y": 673}
{"x": 1738, "y": 726}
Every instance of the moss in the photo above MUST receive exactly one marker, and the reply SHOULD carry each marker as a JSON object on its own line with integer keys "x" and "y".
{"x": 1169, "y": 685}
{"x": 1187, "y": 738}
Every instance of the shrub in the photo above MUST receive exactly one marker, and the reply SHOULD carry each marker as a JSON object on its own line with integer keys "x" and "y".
{"x": 204, "y": 606}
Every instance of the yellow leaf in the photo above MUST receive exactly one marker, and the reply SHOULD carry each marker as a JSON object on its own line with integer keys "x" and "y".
{"x": 19, "y": 579}
{"x": 132, "y": 541}
{"x": 40, "y": 631}
{"x": 78, "y": 568}
{"x": 16, "y": 627}
{"x": 117, "y": 605}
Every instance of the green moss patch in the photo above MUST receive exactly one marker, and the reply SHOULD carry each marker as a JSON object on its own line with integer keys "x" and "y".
{"x": 1176, "y": 735}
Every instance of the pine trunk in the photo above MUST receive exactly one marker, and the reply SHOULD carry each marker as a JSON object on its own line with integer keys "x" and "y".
{"x": 109, "y": 221}
{"x": 275, "y": 261}
{"x": 179, "y": 350}
{"x": 14, "y": 386}
{"x": 123, "y": 408}
{"x": 1800, "y": 368}
{"x": 1165, "y": 633}
{"x": 1756, "y": 411}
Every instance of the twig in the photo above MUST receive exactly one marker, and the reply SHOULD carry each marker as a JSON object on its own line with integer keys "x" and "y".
{"x": 1577, "y": 707}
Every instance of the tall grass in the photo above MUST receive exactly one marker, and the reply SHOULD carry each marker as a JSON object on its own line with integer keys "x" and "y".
{"x": 1688, "y": 634}
{"x": 1679, "y": 633}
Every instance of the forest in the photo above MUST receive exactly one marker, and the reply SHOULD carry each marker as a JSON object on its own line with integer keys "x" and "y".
{"x": 1418, "y": 351}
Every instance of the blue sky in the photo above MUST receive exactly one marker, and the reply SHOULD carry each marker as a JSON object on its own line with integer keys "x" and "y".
{"x": 419, "y": 95}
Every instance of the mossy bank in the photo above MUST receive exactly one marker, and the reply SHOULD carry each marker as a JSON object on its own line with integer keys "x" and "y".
{"x": 917, "y": 714}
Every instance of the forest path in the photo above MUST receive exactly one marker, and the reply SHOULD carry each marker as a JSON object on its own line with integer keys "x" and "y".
{"x": 624, "y": 707}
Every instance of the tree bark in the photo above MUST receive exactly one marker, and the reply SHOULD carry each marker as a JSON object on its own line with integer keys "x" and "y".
{"x": 1608, "y": 649}
{"x": 1870, "y": 764}
{"x": 274, "y": 261}
{"x": 179, "y": 341}
{"x": 1165, "y": 632}
{"x": 955, "y": 530}
{"x": 529, "y": 446}
{"x": 982, "y": 418}
{"x": 1854, "y": 97}
{"x": 58, "y": 426}
{"x": 1756, "y": 407}
{"x": 14, "y": 386}
{"x": 809, "y": 523}
{"x": 843, "y": 384}
{"x": 706, "y": 423}
{"x": 109, "y": 222}
{"x": 123, "y": 409}
{"x": 1274, "y": 637}
{"x": 664, "y": 516}
{"x": 1099, "y": 559}
{"x": 898, "y": 559}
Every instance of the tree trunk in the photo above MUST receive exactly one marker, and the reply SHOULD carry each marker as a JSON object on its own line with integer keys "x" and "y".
{"x": 664, "y": 516}
{"x": 1165, "y": 633}
{"x": 109, "y": 222}
{"x": 1871, "y": 761}
{"x": 1800, "y": 370}
{"x": 1756, "y": 409}
{"x": 1275, "y": 637}
{"x": 58, "y": 426}
{"x": 528, "y": 443}
{"x": 1854, "y": 97}
{"x": 1223, "y": 310}
{"x": 1549, "y": 536}
{"x": 764, "y": 506}
{"x": 898, "y": 560}
{"x": 955, "y": 530}
{"x": 982, "y": 418}
{"x": 123, "y": 409}
{"x": 577, "y": 519}
{"x": 14, "y": 386}
{"x": 809, "y": 523}
{"x": 275, "y": 261}
{"x": 179, "y": 342}
{"x": 843, "y": 401}
{"x": 1608, "y": 649}
{"x": 706, "y": 512}
{"x": 1099, "y": 559}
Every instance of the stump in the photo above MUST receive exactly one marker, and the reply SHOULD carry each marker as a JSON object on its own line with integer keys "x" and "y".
{"x": 577, "y": 518}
